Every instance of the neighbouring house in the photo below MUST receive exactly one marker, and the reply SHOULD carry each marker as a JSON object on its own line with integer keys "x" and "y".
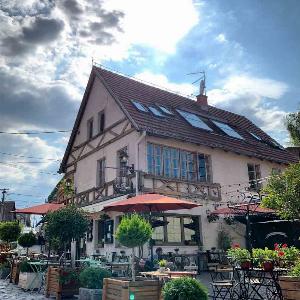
{"x": 131, "y": 137}
{"x": 9, "y": 207}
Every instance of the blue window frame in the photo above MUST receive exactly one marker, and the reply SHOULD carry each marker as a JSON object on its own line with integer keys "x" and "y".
{"x": 228, "y": 130}
{"x": 140, "y": 106}
{"x": 194, "y": 120}
{"x": 155, "y": 111}
{"x": 175, "y": 163}
{"x": 165, "y": 110}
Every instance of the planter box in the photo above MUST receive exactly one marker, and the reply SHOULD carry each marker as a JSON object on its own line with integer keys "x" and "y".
{"x": 15, "y": 272}
{"x": 56, "y": 288}
{"x": 122, "y": 289}
{"x": 4, "y": 272}
{"x": 290, "y": 287}
{"x": 30, "y": 281}
{"x": 90, "y": 294}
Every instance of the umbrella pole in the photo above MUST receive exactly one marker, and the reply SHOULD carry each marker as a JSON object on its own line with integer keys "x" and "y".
{"x": 151, "y": 241}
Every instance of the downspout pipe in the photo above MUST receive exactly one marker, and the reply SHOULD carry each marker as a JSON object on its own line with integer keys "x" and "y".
{"x": 137, "y": 165}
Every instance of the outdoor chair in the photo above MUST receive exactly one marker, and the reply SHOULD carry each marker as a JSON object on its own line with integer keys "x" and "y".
{"x": 222, "y": 289}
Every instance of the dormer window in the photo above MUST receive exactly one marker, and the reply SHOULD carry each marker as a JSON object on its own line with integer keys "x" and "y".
{"x": 90, "y": 127}
{"x": 101, "y": 121}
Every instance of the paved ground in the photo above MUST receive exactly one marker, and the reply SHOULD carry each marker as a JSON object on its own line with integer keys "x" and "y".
{"x": 9, "y": 291}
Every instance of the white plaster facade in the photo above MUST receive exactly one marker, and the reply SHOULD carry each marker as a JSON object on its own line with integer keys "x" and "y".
{"x": 229, "y": 170}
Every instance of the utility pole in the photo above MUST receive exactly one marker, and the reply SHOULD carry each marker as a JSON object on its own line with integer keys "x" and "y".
{"x": 4, "y": 191}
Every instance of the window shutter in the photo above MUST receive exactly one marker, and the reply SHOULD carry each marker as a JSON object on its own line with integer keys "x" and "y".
{"x": 208, "y": 168}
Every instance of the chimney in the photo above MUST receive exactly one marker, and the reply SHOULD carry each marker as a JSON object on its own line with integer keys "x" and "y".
{"x": 202, "y": 99}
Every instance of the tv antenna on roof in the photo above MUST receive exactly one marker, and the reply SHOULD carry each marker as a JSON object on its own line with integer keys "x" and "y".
{"x": 202, "y": 86}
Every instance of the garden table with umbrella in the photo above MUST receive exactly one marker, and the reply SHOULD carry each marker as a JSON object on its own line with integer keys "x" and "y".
{"x": 149, "y": 203}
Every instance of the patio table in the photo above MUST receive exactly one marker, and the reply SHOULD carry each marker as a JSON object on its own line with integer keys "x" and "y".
{"x": 258, "y": 284}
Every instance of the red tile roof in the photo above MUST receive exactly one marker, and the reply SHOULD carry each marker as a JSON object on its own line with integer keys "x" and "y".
{"x": 126, "y": 89}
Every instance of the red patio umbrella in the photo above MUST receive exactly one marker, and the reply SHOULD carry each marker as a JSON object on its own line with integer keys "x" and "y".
{"x": 149, "y": 203}
{"x": 243, "y": 208}
{"x": 41, "y": 209}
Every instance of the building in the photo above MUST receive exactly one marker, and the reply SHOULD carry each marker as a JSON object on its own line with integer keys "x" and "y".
{"x": 129, "y": 135}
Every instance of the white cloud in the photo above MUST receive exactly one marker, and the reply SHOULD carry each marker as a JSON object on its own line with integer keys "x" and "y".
{"x": 252, "y": 97}
{"x": 157, "y": 24}
{"x": 162, "y": 81}
{"x": 221, "y": 38}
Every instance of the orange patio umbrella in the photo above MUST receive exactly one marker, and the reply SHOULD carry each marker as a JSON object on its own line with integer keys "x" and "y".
{"x": 149, "y": 203}
{"x": 41, "y": 209}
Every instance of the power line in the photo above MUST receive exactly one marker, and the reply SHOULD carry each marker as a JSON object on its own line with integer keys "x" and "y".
{"x": 34, "y": 132}
{"x": 31, "y": 157}
{"x": 30, "y": 162}
{"x": 27, "y": 195}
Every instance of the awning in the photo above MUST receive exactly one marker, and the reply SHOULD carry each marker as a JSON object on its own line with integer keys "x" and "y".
{"x": 241, "y": 209}
{"x": 41, "y": 209}
{"x": 150, "y": 203}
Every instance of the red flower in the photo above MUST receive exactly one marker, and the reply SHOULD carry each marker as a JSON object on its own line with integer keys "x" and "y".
{"x": 284, "y": 246}
{"x": 281, "y": 253}
{"x": 276, "y": 246}
{"x": 236, "y": 245}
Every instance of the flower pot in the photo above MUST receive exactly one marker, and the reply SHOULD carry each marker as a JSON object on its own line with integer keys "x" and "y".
{"x": 268, "y": 266}
{"x": 30, "y": 281}
{"x": 290, "y": 287}
{"x": 90, "y": 294}
{"x": 162, "y": 270}
{"x": 245, "y": 265}
{"x": 4, "y": 272}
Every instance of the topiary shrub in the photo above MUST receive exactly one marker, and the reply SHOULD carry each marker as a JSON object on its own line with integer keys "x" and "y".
{"x": 9, "y": 231}
{"x": 184, "y": 288}
{"x": 92, "y": 278}
{"x": 133, "y": 231}
{"x": 27, "y": 240}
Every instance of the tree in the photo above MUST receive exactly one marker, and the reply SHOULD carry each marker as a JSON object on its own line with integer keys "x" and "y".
{"x": 9, "y": 231}
{"x": 283, "y": 192}
{"x": 66, "y": 224}
{"x": 293, "y": 126}
{"x": 133, "y": 231}
{"x": 27, "y": 240}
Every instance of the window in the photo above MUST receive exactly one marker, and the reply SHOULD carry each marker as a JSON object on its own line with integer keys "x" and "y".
{"x": 90, "y": 128}
{"x": 227, "y": 129}
{"x": 101, "y": 172}
{"x": 176, "y": 229}
{"x": 255, "y": 136}
{"x": 140, "y": 106}
{"x": 122, "y": 162}
{"x": 194, "y": 120}
{"x": 165, "y": 110}
{"x": 174, "y": 163}
{"x": 155, "y": 111}
{"x": 254, "y": 176}
{"x": 101, "y": 121}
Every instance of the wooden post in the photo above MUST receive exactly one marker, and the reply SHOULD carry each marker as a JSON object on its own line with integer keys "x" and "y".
{"x": 47, "y": 283}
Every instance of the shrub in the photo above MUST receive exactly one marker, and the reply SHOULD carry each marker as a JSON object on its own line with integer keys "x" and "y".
{"x": 238, "y": 255}
{"x": 185, "y": 288}
{"x": 133, "y": 231}
{"x": 25, "y": 267}
{"x": 27, "y": 240}
{"x": 9, "y": 231}
{"x": 295, "y": 271}
{"x": 92, "y": 278}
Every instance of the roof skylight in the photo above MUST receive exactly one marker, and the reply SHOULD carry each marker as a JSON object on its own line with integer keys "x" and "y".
{"x": 194, "y": 120}
{"x": 228, "y": 130}
{"x": 155, "y": 111}
{"x": 255, "y": 136}
{"x": 165, "y": 110}
{"x": 140, "y": 106}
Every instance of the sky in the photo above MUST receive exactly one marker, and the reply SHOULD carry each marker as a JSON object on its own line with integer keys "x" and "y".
{"x": 250, "y": 51}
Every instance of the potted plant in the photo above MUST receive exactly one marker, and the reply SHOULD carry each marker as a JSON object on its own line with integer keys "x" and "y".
{"x": 240, "y": 256}
{"x": 184, "y": 288}
{"x": 27, "y": 240}
{"x": 64, "y": 225}
{"x": 286, "y": 256}
{"x": 162, "y": 265}
{"x": 91, "y": 283}
{"x": 290, "y": 285}
{"x": 264, "y": 258}
{"x": 133, "y": 231}
{"x": 28, "y": 279}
